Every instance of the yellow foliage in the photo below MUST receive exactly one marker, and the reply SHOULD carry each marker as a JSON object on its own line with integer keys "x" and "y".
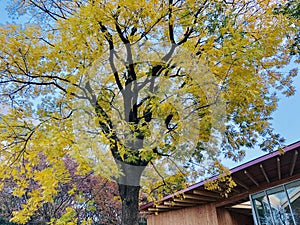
{"x": 171, "y": 85}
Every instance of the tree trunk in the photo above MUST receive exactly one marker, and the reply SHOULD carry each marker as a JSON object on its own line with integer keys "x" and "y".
{"x": 129, "y": 188}
{"x": 130, "y": 204}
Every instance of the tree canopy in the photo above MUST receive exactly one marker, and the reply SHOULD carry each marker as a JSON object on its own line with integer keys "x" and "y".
{"x": 292, "y": 10}
{"x": 132, "y": 88}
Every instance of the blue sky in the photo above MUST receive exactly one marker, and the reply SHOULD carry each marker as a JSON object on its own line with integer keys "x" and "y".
{"x": 3, "y": 14}
{"x": 286, "y": 118}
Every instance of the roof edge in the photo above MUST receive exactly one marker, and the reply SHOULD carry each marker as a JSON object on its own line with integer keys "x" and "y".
{"x": 233, "y": 170}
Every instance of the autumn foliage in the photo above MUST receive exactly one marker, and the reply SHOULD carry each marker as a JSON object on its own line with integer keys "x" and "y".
{"x": 147, "y": 93}
{"x": 93, "y": 200}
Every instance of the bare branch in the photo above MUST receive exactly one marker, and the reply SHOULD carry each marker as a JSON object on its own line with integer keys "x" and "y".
{"x": 109, "y": 39}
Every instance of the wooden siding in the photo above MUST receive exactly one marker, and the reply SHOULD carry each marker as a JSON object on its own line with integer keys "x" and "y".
{"x": 226, "y": 217}
{"x": 200, "y": 215}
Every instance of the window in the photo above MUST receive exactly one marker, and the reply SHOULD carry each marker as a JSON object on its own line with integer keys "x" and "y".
{"x": 277, "y": 206}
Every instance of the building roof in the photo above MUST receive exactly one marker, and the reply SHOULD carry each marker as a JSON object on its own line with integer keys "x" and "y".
{"x": 266, "y": 171}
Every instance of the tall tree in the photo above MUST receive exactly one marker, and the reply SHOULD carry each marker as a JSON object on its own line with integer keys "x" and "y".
{"x": 170, "y": 85}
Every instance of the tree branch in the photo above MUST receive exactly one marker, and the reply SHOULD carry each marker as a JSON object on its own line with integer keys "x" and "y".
{"x": 109, "y": 39}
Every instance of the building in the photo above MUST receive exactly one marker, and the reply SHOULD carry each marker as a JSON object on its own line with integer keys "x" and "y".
{"x": 267, "y": 193}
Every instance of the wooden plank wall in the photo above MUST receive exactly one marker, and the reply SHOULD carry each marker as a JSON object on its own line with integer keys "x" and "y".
{"x": 200, "y": 215}
{"x": 225, "y": 217}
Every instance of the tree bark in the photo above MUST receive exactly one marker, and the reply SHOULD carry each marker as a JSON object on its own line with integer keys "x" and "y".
{"x": 129, "y": 188}
{"x": 130, "y": 204}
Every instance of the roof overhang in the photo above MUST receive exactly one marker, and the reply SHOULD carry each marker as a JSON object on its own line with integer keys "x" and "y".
{"x": 267, "y": 171}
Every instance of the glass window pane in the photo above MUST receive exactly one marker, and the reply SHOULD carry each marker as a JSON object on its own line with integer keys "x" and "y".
{"x": 279, "y": 206}
{"x": 293, "y": 190}
{"x": 262, "y": 209}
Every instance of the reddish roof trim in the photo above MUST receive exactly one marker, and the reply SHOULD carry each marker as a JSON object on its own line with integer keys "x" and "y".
{"x": 235, "y": 169}
{"x": 265, "y": 157}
